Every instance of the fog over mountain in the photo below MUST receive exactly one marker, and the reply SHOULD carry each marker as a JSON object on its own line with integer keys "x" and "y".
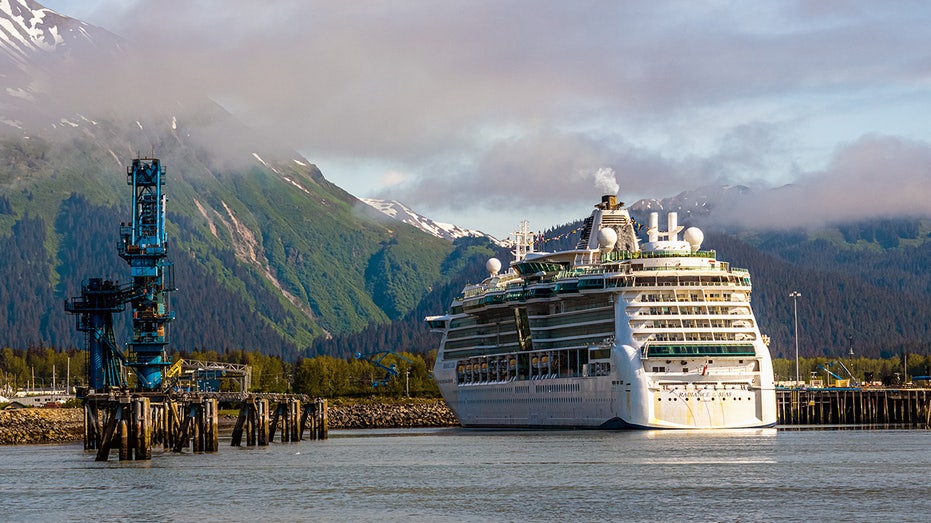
{"x": 267, "y": 253}
{"x": 477, "y": 114}
{"x": 483, "y": 113}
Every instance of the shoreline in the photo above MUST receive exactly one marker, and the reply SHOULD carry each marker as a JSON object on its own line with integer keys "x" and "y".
{"x": 65, "y": 425}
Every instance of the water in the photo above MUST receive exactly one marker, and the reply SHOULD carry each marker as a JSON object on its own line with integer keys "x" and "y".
{"x": 463, "y": 476}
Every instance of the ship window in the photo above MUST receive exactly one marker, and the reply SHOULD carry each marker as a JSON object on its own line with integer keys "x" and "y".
{"x": 599, "y": 354}
{"x": 666, "y": 350}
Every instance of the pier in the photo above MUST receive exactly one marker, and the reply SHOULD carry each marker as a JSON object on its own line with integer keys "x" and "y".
{"x": 133, "y": 423}
{"x": 174, "y": 405}
{"x": 866, "y": 407}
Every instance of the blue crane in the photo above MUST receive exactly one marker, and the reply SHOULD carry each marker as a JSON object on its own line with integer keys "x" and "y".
{"x": 144, "y": 246}
{"x": 837, "y": 379}
{"x": 376, "y": 358}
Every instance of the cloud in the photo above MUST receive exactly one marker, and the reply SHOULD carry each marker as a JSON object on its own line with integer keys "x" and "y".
{"x": 392, "y": 178}
{"x": 874, "y": 177}
{"x": 517, "y": 103}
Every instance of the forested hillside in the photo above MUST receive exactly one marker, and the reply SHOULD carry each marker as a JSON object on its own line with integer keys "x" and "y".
{"x": 466, "y": 264}
{"x": 863, "y": 285}
{"x": 268, "y": 255}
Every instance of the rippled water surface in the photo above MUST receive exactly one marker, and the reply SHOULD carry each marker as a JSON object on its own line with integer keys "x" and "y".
{"x": 464, "y": 475}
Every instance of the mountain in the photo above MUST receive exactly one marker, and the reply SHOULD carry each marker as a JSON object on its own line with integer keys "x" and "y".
{"x": 696, "y": 204}
{"x": 39, "y": 46}
{"x": 268, "y": 254}
{"x": 402, "y": 213}
{"x": 863, "y": 283}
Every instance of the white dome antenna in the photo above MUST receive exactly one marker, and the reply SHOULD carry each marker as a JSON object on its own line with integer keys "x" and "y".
{"x": 694, "y": 237}
{"x": 493, "y": 266}
{"x": 607, "y": 238}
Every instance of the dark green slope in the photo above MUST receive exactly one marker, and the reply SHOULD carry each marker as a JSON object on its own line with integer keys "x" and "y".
{"x": 860, "y": 284}
{"x": 838, "y": 306}
{"x": 269, "y": 255}
{"x": 465, "y": 264}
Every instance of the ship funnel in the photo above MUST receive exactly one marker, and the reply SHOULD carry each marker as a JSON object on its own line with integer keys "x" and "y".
{"x": 609, "y": 203}
{"x": 672, "y": 226}
{"x": 653, "y": 229}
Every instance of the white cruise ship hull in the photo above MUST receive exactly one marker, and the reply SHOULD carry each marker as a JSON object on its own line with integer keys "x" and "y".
{"x": 619, "y": 400}
{"x": 608, "y": 336}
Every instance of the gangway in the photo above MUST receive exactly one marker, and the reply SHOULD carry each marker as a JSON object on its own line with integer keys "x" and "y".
{"x": 205, "y": 376}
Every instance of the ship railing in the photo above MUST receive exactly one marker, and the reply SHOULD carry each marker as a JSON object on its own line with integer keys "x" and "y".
{"x": 613, "y": 256}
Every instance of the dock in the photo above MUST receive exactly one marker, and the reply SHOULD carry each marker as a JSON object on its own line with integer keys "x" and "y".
{"x": 861, "y": 407}
{"x": 132, "y": 423}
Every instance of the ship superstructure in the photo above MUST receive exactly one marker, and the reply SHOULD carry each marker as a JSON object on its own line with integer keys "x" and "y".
{"x": 610, "y": 334}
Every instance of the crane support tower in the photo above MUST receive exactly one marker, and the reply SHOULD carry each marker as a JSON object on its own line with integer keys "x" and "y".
{"x": 143, "y": 244}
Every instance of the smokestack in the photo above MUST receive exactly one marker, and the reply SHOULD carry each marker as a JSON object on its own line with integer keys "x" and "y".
{"x": 608, "y": 202}
{"x": 653, "y": 228}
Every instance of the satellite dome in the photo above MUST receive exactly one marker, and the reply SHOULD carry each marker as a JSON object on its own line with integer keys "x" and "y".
{"x": 493, "y": 266}
{"x": 694, "y": 237}
{"x": 607, "y": 237}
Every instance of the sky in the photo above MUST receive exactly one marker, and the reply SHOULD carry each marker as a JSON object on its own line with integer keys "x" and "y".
{"x": 486, "y": 112}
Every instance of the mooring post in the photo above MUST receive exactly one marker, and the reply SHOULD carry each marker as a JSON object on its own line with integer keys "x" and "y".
{"x": 295, "y": 406}
{"x": 236, "y": 440}
{"x": 159, "y": 424}
{"x": 107, "y": 437}
{"x": 273, "y": 423}
{"x": 324, "y": 428}
{"x": 216, "y": 425}
{"x": 251, "y": 429}
{"x": 145, "y": 436}
{"x": 303, "y": 421}
{"x": 211, "y": 436}
{"x": 174, "y": 424}
{"x": 125, "y": 428}
{"x": 197, "y": 425}
{"x": 288, "y": 420}
{"x": 91, "y": 425}
{"x": 181, "y": 440}
{"x": 262, "y": 421}
{"x": 284, "y": 408}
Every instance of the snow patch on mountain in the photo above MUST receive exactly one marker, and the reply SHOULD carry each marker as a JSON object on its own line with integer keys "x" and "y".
{"x": 39, "y": 49}
{"x": 698, "y": 204}
{"x": 403, "y": 213}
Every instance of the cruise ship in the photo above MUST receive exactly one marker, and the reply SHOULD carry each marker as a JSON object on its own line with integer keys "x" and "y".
{"x": 609, "y": 335}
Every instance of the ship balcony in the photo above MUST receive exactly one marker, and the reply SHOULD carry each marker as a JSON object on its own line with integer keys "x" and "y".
{"x": 704, "y": 332}
{"x": 565, "y": 323}
{"x": 488, "y": 326}
{"x": 594, "y": 337}
{"x": 480, "y": 338}
{"x": 734, "y": 299}
{"x": 664, "y": 312}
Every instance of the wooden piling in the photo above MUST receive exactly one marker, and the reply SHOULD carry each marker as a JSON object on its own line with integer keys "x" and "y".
{"x": 854, "y": 407}
{"x": 141, "y": 435}
{"x": 92, "y": 426}
{"x": 262, "y": 422}
{"x": 133, "y": 422}
{"x": 211, "y": 426}
{"x": 273, "y": 423}
{"x": 294, "y": 406}
{"x": 124, "y": 440}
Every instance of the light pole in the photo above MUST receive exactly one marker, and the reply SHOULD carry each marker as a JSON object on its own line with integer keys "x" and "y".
{"x": 794, "y": 295}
